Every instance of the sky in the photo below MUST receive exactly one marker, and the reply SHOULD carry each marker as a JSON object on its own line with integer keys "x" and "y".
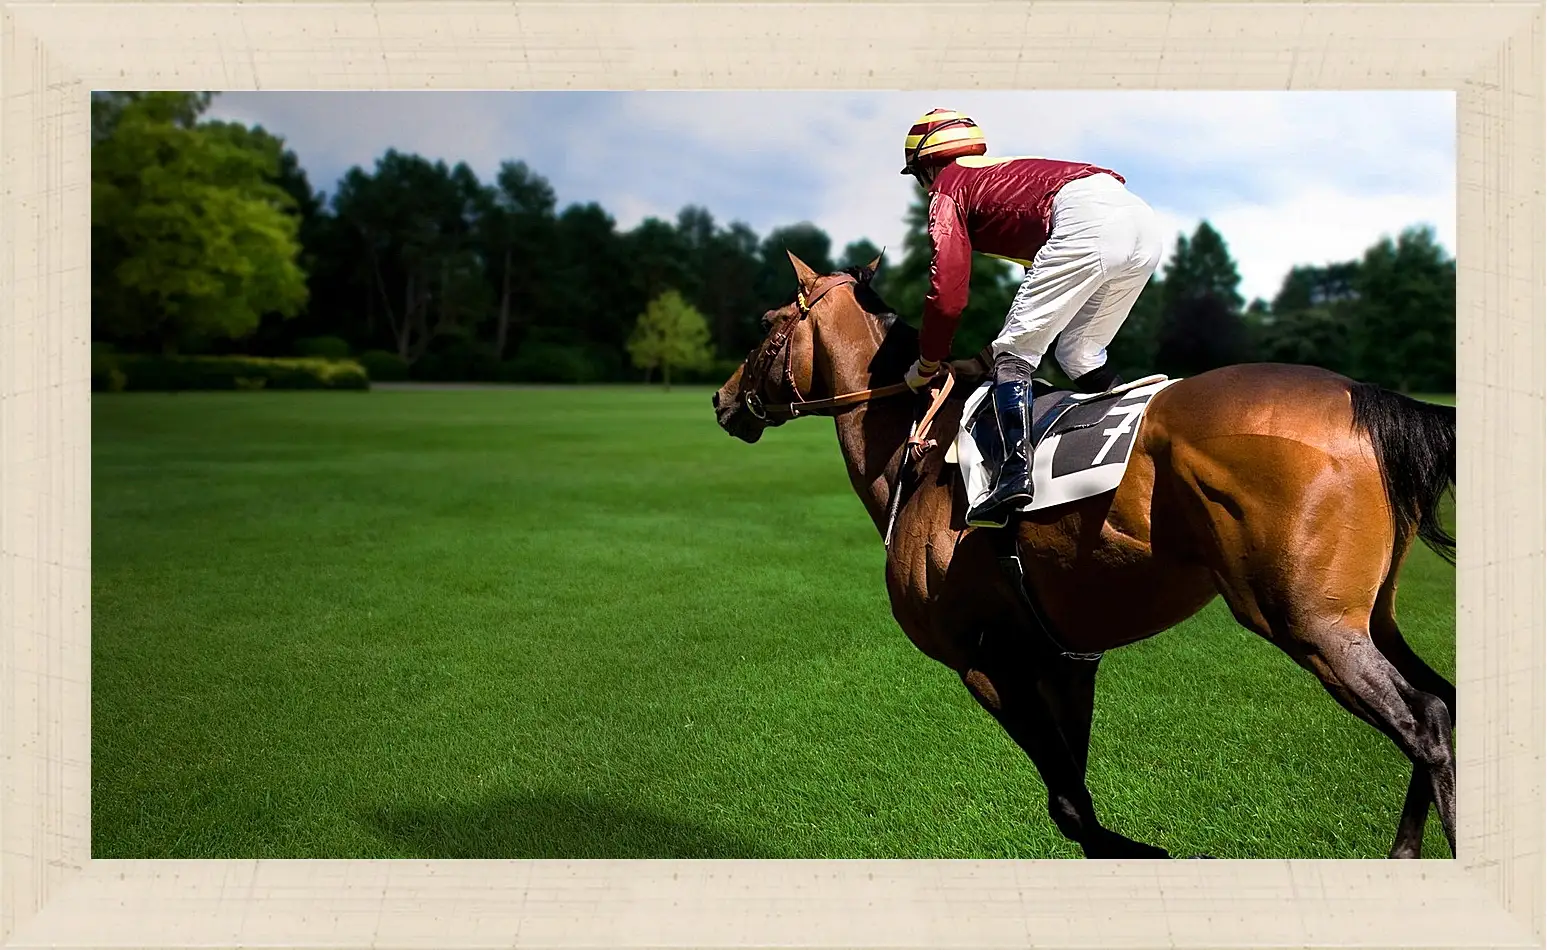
{"x": 1287, "y": 177}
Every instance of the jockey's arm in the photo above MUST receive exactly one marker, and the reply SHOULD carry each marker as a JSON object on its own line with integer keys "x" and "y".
{"x": 950, "y": 272}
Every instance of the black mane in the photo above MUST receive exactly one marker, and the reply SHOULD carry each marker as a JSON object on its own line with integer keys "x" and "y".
{"x": 900, "y": 346}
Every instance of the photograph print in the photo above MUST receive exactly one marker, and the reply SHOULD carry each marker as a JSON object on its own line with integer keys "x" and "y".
{"x": 954, "y": 474}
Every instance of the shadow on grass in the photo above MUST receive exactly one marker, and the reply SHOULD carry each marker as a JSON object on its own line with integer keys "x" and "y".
{"x": 552, "y": 825}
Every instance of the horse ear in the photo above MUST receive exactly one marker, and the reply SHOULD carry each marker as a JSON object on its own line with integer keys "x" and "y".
{"x": 875, "y": 265}
{"x": 803, "y": 271}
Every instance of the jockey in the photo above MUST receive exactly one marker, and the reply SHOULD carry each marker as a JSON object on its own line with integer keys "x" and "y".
{"x": 1088, "y": 245}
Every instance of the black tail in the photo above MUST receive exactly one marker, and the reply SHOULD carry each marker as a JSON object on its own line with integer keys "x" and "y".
{"x": 1415, "y": 444}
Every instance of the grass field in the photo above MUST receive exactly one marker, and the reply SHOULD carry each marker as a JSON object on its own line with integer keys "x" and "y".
{"x": 586, "y": 623}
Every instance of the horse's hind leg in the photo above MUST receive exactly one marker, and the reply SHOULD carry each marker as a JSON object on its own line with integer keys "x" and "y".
{"x": 1388, "y": 639}
{"x": 1361, "y": 678}
{"x": 1303, "y": 559}
{"x": 1049, "y": 717}
{"x": 1344, "y": 656}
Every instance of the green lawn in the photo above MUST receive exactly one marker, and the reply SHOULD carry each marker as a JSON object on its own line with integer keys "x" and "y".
{"x": 586, "y": 623}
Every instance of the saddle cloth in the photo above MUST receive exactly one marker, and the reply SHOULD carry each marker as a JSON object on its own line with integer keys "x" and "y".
{"x": 1081, "y": 440}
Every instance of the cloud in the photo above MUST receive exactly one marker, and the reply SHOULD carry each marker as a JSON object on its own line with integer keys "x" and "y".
{"x": 1316, "y": 226}
{"x": 1287, "y": 177}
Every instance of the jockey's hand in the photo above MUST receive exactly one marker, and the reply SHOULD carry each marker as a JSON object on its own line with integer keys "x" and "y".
{"x": 921, "y": 372}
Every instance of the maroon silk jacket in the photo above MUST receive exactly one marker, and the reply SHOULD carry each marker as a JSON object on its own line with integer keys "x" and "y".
{"x": 997, "y": 206}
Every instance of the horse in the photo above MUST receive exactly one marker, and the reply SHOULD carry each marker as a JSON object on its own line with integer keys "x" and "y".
{"x": 1292, "y": 492}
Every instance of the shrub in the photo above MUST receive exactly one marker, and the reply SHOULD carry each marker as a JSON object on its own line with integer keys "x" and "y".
{"x": 458, "y": 360}
{"x": 173, "y": 373}
{"x": 105, "y": 374}
{"x": 323, "y": 347}
{"x": 383, "y": 366}
{"x": 551, "y": 363}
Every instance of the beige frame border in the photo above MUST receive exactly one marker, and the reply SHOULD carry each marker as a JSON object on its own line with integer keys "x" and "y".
{"x": 52, "y": 894}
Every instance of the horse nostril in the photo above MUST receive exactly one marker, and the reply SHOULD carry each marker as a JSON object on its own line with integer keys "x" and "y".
{"x": 715, "y": 400}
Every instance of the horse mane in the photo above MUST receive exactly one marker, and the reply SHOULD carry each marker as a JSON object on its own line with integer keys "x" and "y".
{"x": 900, "y": 346}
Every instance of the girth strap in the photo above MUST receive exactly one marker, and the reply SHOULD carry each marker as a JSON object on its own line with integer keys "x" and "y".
{"x": 1010, "y": 564}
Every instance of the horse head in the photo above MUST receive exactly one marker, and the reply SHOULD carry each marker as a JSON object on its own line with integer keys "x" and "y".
{"x": 806, "y": 355}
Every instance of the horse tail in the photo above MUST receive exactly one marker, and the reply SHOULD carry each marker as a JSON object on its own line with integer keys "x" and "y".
{"x": 1415, "y": 447}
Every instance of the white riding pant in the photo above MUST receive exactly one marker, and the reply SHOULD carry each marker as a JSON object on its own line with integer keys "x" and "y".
{"x": 1103, "y": 244}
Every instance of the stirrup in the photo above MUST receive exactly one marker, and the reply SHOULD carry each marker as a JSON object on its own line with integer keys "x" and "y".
{"x": 985, "y": 515}
{"x": 980, "y": 518}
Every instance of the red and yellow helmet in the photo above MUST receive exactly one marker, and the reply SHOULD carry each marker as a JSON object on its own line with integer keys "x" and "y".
{"x": 940, "y": 136}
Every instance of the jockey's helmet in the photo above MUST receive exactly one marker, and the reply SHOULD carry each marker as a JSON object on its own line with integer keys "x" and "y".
{"x": 940, "y": 136}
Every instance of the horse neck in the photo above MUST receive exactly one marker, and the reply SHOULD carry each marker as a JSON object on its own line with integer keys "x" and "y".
{"x": 871, "y": 434}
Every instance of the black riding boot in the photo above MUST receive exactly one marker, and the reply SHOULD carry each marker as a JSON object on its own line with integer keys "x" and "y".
{"x": 1012, "y": 489}
{"x": 1099, "y": 380}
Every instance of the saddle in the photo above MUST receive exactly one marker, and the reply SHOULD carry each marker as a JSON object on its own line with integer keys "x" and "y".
{"x": 1054, "y": 411}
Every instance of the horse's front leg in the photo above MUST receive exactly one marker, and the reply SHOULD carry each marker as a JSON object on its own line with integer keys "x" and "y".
{"x": 1052, "y": 724}
{"x": 1069, "y": 689}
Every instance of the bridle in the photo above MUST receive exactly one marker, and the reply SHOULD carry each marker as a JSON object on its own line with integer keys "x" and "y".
{"x": 761, "y": 364}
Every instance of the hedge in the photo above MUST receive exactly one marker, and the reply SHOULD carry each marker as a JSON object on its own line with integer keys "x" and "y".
{"x": 117, "y": 373}
{"x": 384, "y": 366}
{"x": 552, "y": 363}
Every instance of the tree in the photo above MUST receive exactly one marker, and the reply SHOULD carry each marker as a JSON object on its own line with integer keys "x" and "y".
{"x": 517, "y": 225}
{"x": 1406, "y": 310}
{"x": 775, "y": 283}
{"x": 1314, "y": 336}
{"x": 661, "y": 259}
{"x": 1200, "y": 325}
{"x": 414, "y": 222}
{"x": 670, "y": 334}
{"x": 730, "y": 267}
{"x": 1200, "y": 334}
{"x": 192, "y": 239}
{"x": 1313, "y": 318}
{"x": 1202, "y": 267}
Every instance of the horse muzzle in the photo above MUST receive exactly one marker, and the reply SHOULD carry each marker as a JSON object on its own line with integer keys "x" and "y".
{"x": 739, "y": 416}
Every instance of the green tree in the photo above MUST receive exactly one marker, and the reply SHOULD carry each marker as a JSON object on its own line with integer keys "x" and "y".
{"x": 670, "y": 334}
{"x": 1201, "y": 266}
{"x": 516, "y": 231}
{"x": 1406, "y": 314}
{"x": 731, "y": 265}
{"x": 1201, "y": 326}
{"x": 192, "y": 240}
{"x": 1313, "y": 318}
{"x": 1199, "y": 334}
{"x": 1314, "y": 336}
{"x": 776, "y": 282}
{"x": 595, "y": 298}
{"x": 414, "y": 224}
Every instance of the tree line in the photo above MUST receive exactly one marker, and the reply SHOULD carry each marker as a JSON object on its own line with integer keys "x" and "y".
{"x": 207, "y": 237}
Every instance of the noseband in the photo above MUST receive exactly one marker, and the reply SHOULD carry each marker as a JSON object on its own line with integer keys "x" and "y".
{"x": 778, "y": 344}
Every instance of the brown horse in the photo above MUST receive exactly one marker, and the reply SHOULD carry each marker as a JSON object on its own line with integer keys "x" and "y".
{"x": 1293, "y": 492}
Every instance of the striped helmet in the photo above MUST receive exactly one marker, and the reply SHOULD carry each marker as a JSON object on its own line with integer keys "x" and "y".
{"x": 940, "y": 136}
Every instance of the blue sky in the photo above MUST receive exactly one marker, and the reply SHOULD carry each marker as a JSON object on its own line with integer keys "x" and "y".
{"x": 1288, "y": 177}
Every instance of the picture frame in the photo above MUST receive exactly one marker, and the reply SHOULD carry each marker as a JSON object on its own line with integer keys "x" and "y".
{"x": 52, "y": 893}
